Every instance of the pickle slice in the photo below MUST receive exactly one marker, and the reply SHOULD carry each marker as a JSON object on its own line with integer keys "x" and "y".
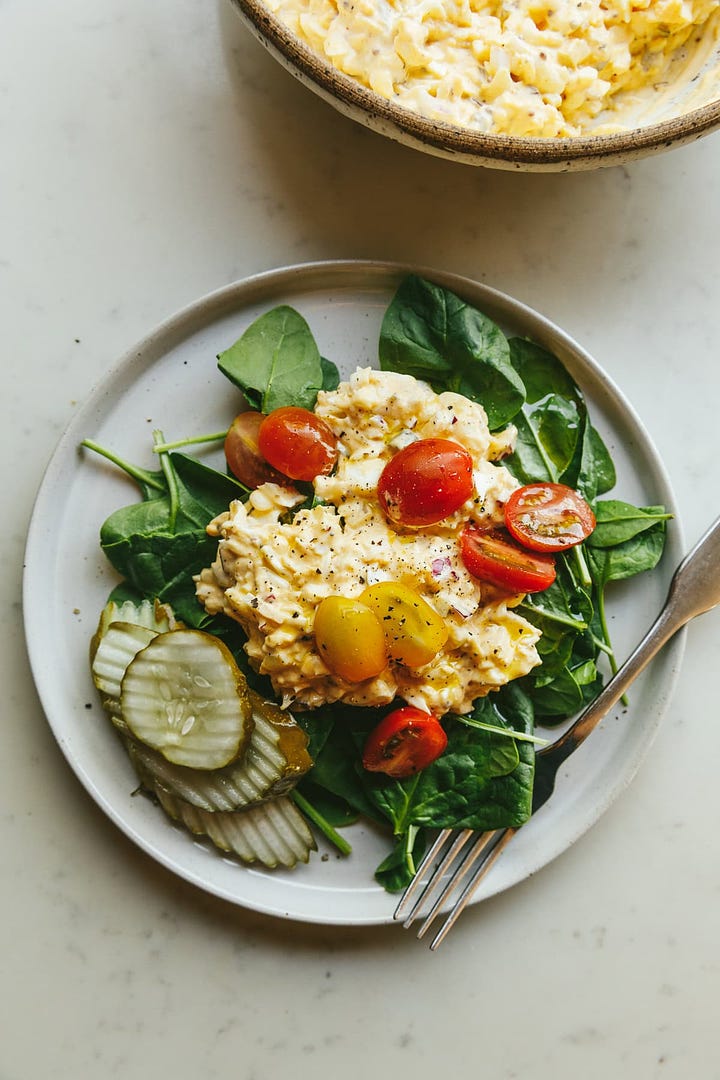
{"x": 275, "y": 759}
{"x": 151, "y": 614}
{"x": 116, "y": 649}
{"x": 272, "y": 833}
{"x": 185, "y": 696}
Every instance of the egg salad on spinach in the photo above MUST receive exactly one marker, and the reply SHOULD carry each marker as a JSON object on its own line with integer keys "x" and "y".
{"x": 396, "y": 581}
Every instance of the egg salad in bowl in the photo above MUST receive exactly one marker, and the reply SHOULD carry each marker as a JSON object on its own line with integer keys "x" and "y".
{"x": 526, "y": 84}
{"x": 272, "y": 574}
{"x": 526, "y": 68}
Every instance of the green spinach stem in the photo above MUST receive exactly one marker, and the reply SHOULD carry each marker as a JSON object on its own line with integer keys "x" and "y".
{"x": 582, "y": 566}
{"x": 141, "y": 475}
{"x": 321, "y": 822}
{"x": 178, "y": 444}
{"x": 521, "y": 736}
{"x": 409, "y": 845}
{"x": 170, "y": 479}
{"x": 606, "y": 633}
{"x": 554, "y": 616}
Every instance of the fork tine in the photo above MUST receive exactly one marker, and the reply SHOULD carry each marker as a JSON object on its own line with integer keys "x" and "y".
{"x": 444, "y": 890}
{"x": 506, "y": 836}
{"x": 430, "y": 886}
{"x": 417, "y": 883}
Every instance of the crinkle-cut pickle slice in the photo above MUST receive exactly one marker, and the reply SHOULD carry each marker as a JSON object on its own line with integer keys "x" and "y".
{"x": 151, "y": 614}
{"x": 184, "y": 695}
{"x": 275, "y": 759}
{"x": 273, "y": 833}
{"x": 116, "y": 649}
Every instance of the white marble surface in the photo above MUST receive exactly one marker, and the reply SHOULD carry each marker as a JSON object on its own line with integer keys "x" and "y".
{"x": 152, "y": 152}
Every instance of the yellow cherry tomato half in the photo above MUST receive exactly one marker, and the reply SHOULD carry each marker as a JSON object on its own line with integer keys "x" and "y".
{"x": 350, "y": 639}
{"x": 414, "y": 632}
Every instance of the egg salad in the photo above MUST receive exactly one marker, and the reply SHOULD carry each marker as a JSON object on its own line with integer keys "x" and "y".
{"x": 279, "y": 558}
{"x": 541, "y": 68}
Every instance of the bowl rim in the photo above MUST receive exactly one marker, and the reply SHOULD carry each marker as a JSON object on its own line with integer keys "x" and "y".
{"x": 448, "y": 140}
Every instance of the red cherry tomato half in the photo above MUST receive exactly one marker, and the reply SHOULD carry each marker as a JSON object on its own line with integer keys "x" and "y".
{"x": 243, "y": 455}
{"x": 298, "y": 443}
{"x": 404, "y": 742}
{"x": 493, "y": 556}
{"x": 425, "y": 482}
{"x": 548, "y": 517}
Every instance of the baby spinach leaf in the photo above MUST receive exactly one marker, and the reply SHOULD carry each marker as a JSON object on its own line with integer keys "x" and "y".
{"x": 541, "y": 372}
{"x": 157, "y": 562}
{"x": 209, "y": 488}
{"x": 549, "y": 433}
{"x": 634, "y": 556}
{"x": 431, "y": 333}
{"x": 618, "y": 522}
{"x": 276, "y": 361}
{"x": 547, "y": 440}
{"x": 330, "y": 375}
{"x": 595, "y": 473}
{"x": 158, "y": 544}
{"x": 564, "y": 693}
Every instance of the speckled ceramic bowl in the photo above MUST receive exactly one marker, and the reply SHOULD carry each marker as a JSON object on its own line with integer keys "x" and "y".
{"x": 679, "y": 112}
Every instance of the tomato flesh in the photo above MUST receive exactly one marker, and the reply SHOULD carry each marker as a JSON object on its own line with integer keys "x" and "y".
{"x": 414, "y": 632}
{"x": 242, "y": 452}
{"x": 350, "y": 639}
{"x": 493, "y": 556}
{"x": 404, "y": 742}
{"x": 548, "y": 517}
{"x": 425, "y": 482}
{"x": 298, "y": 443}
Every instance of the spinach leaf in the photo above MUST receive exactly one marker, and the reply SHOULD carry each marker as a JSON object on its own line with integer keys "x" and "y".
{"x": 276, "y": 362}
{"x": 431, "y": 333}
{"x": 595, "y": 473}
{"x": 208, "y": 488}
{"x": 541, "y": 372}
{"x": 330, "y": 375}
{"x": 158, "y": 544}
{"x": 562, "y": 694}
{"x": 556, "y": 440}
{"x": 618, "y": 522}
{"x": 547, "y": 439}
{"x": 636, "y": 555}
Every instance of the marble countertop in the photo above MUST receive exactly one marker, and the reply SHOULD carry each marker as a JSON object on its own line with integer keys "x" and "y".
{"x": 153, "y": 153}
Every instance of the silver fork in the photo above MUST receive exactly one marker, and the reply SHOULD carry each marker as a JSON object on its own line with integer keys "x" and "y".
{"x": 458, "y": 860}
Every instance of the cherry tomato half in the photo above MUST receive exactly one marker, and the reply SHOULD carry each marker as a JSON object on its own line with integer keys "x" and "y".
{"x": 548, "y": 517}
{"x": 243, "y": 455}
{"x": 298, "y": 443}
{"x": 350, "y": 639}
{"x": 404, "y": 742}
{"x": 492, "y": 555}
{"x": 425, "y": 482}
{"x": 414, "y": 632}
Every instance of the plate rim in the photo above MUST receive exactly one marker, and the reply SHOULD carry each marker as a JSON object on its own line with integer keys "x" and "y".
{"x": 308, "y": 277}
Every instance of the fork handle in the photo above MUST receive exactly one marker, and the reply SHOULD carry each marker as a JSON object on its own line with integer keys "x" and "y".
{"x": 694, "y": 589}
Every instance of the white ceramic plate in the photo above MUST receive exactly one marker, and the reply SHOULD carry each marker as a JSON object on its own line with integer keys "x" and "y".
{"x": 170, "y": 381}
